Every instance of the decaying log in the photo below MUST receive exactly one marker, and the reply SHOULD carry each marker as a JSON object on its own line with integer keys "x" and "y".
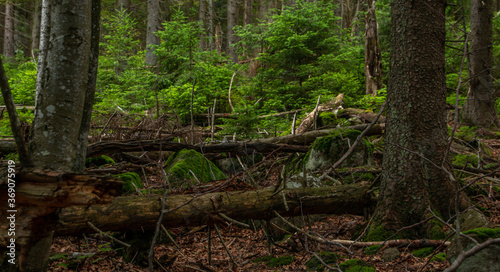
{"x": 7, "y": 147}
{"x": 142, "y": 212}
{"x": 307, "y": 123}
{"x": 308, "y": 138}
{"x": 243, "y": 148}
{"x": 367, "y": 116}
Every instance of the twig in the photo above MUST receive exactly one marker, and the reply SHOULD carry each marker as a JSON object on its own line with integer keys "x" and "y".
{"x": 170, "y": 237}
{"x": 315, "y": 115}
{"x": 225, "y": 247}
{"x": 192, "y": 116}
{"x": 107, "y": 235}
{"x": 106, "y": 125}
{"x": 157, "y": 232}
{"x": 213, "y": 121}
{"x": 358, "y": 139}
{"x": 230, "y": 87}
{"x": 293, "y": 122}
{"x": 234, "y": 221}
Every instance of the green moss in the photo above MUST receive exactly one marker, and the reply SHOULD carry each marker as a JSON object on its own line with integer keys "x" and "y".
{"x": 98, "y": 161}
{"x": 129, "y": 179}
{"x": 378, "y": 233}
{"x": 372, "y": 249}
{"x": 440, "y": 257}
{"x": 323, "y": 144}
{"x": 327, "y": 257}
{"x": 280, "y": 261}
{"x": 183, "y": 164}
{"x": 262, "y": 259}
{"x": 435, "y": 229}
{"x": 327, "y": 118}
{"x": 463, "y": 160}
{"x": 355, "y": 265}
{"x": 423, "y": 252}
{"x": 484, "y": 233}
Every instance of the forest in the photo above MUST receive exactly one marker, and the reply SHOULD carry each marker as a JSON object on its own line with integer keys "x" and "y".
{"x": 250, "y": 135}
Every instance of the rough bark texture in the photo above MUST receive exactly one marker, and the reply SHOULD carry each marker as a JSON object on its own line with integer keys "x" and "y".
{"x": 43, "y": 46}
{"x": 232, "y": 15}
{"x": 211, "y": 18}
{"x": 203, "y": 209}
{"x": 373, "y": 57}
{"x": 81, "y": 152}
{"x": 203, "y": 23}
{"x": 8, "y": 40}
{"x": 416, "y": 132}
{"x": 59, "y": 110}
{"x": 154, "y": 24}
{"x": 35, "y": 32}
{"x": 479, "y": 109}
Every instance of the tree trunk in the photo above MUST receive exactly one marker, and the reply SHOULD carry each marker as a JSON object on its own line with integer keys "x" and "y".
{"x": 123, "y": 5}
{"x": 416, "y": 129}
{"x": 203, "y": 24}
{"x": 197, "y": 210}
{"x": 232, "y": 15}
{"x": 8, "y": 41}
{"x": 373, "y": 57}
{"x": 35, "y": 33}
{"x": 211, "y": 18}
{"x": 479, "y": 109}
{"x": 154, "y": 24}
{"x": 248, "y": 12}
{"x": 43, "y": 47}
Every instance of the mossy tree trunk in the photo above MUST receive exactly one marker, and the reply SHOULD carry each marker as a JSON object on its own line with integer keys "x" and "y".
{"x": 414, "y": 176}
{"x": 479, "y": 109}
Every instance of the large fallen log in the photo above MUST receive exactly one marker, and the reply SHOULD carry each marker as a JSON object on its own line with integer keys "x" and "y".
{"x": 142, "y": 212}
{"x": 243, "y": 148}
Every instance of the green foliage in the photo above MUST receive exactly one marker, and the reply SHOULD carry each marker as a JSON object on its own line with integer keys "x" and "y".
{"x": 22, "y": 80}
{"x": 463, "y": 160}
{"x": 122, "y": 81}
{"x": 99, "y": 161}
{"x": 129, "y": 180}
{"x": 423, "y": 252}
{"x": 466, "y": 133}
{"x": 25, "y": 117}
{"x": 326, "y": 257}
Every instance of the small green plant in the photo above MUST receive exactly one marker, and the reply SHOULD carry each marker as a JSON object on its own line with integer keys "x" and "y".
{"x": 423, "y": 252}
{"x": 463, "y": 160}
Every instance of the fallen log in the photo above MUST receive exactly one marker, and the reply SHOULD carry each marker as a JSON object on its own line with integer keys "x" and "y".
{"x": 142, "y": 212}
{"x": 364, "y": 115}
{"x": 242, "y": 148}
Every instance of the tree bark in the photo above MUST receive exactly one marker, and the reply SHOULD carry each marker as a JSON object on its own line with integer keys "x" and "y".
{"x": 479, "y": 109}
{"x": 196, "y": 210}
{"x": 35, "y": 32}
{"x": 9, "y": 49}
{"x": 154, "y": 24}
{"x": 232, "y": 15}
{"x": 43, "y": 47}
{"x": 373, "y": 57}
{"x": 414, "y": 177}
{"x": 248, "y": 12}
{"x": 211, "y": 19}
{"x": 203, "y": 24}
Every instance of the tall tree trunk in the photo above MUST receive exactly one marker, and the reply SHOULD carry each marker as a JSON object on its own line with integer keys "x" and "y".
{"x": 248, "y": 12}
{"x": 203, "y": 24}
{"x": 81, "y": 153}
{"x": 35, "y": 32}
{"x": 8, "y": 41}
{"x": 154, "y": 24}
{"x": 211, "y": 18}
{"x": 373, "y": 57}
{"x": 44, "y": 41}
{"x": 479, "y": 109}
{"x": 416, "y": 129}
{"x": 232, "y": 15}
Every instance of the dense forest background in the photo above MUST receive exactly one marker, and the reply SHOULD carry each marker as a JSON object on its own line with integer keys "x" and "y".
{"x": 253, "y": 57}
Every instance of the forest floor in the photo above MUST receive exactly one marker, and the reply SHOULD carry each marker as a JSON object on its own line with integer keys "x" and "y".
{"x": 249, "y": 249}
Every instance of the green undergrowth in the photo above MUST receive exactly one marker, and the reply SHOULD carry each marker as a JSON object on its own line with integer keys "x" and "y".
{"x": 129, "y": 180}
{"x": 275, "y": 261}
{"x": 423, "y": 252}
{"x": 355, "y": 265}
{"x": 98, "y": 161}
{"x": 484, "y": 233}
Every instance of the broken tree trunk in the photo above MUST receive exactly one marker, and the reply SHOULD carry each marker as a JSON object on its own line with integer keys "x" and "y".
{"x": 34, "y": 199}
{"x": 142, "y": 212}
{"x": 308, "y": 122}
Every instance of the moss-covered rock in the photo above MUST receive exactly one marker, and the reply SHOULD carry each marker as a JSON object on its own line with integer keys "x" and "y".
{"x": 355, "y": 265}
{"x": 314, "y": 264}
{"x": 280, "y": 261}
{"x": 191, "y": 165}
{"x": 327, "y": 119}
{"x": 325, "y": 151}
{"x": 129, "y": 180}
{"x": 98, "y": 161}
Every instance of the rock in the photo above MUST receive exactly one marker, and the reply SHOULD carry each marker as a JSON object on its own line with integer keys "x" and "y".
{"x": 390, "y": 254}
{"x": 191, "y": 165}
{"x": 129, "y": 180}
{"x": 297, "y": 181}
{"x": 325, "y": 151}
